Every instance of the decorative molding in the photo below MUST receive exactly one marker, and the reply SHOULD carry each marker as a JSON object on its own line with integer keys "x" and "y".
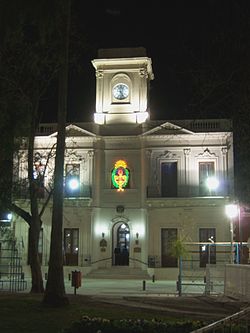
{"x": 73, "y": 156}
{"x": 119, "y": 218}
{"x": 120, "y": 209}
{"x": 143, "y": 73}
{"x": 186, "y": 151}
{"x": 99, "y": 74}
{"x": 168, "y": 154}
{"x": 206, "y": 154}
{"x": 91, "y": 153}
{"x": 224, "y": 150}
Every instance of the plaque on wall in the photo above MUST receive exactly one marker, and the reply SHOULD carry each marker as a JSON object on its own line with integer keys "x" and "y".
{"x": 137, "y": 249}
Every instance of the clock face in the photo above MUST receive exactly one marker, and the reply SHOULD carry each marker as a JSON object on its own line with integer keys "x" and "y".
{"x": 120, "y": 91}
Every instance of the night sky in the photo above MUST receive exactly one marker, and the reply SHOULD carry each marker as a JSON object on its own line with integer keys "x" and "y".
{"x": 177, "y": 37}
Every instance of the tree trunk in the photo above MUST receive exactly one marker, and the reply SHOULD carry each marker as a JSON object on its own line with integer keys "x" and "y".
{"x": 55, "y": 289}
{"x": 34, "y": 261}
{"x": 35, "y": 223}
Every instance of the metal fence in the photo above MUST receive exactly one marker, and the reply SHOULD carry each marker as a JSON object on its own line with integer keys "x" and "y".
{"x": 11, "y": 273}
{"x": 203, "y": 269}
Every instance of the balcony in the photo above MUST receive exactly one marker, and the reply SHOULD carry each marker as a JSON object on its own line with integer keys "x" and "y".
{"x": 22, "y": 192}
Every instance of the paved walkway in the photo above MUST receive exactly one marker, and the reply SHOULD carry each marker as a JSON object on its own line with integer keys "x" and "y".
{"x": 130, "y": 287}
{"x": 122, "y": 287}
{"x": 136, "y": 287}
{"x": 160, "y": 296}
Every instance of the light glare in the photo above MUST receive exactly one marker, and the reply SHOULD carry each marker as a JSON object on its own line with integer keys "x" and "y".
{"x": 73, "y": 184}
{"x": 212, "y": 183}
{"x": 231, "y": 210}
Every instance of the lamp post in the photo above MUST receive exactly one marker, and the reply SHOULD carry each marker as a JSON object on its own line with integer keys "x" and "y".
{"x": 211, "y": 240}
{"x": 231, "y": 212}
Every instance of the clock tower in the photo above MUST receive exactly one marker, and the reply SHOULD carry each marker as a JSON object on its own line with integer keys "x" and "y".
{"x": 122, "y": 85}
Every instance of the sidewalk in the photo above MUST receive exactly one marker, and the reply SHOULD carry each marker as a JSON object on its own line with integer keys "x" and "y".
{"x": 130, "y": 287}
{"x": 160, "y": 296}
{"x": 123, "y": 287}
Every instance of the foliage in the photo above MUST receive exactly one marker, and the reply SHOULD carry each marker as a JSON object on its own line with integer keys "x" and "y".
{"x": 178, "y": 249}
{"x": 7, "y": 234}
{"x": 102, "y": 325}
{"x": 30, "y": 58}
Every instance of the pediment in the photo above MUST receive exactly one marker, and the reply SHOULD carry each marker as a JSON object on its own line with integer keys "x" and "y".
{"x": 167, "y": 128}
{"x": 74, "y": 130}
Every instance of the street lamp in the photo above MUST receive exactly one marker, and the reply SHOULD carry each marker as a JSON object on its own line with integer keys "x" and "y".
{"x": 211, "y": 240}
{"x": 232, "y": 211}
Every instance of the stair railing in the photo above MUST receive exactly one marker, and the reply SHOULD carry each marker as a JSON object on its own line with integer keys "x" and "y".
{"x": 138, "y": 260}
{"x": 103, "y": 259}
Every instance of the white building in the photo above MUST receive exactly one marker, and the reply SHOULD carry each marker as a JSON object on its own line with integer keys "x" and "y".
{"x": 142, "y": 183}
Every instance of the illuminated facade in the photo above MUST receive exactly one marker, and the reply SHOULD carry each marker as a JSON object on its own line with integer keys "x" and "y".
{"x": 133, "y": 185}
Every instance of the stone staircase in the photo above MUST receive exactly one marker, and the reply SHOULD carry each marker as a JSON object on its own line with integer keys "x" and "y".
{"x": 119, "y": 272}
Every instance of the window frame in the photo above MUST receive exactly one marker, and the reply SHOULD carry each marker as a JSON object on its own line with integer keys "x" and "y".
{"x": 69, "y": 193}
{"x": 71, "y": 257}
{"x": 169, "y": 176}
{"x": 204, "y": 191}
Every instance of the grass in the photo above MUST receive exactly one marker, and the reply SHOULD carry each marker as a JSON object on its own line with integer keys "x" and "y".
{"x": 25, "y": 313}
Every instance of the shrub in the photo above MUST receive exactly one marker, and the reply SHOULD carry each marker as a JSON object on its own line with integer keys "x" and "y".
{"x": 101, "y": 325}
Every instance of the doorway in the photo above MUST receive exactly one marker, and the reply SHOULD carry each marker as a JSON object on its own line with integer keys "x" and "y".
{"x": 121, "y": 242}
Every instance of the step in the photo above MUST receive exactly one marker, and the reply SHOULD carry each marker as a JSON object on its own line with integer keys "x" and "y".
{"x": 118, "y": 272}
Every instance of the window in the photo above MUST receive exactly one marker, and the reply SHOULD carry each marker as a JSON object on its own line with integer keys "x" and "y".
{"x": 207, "y": 252}
{"x": 38, "y": 174}
{"x": 169, "y": 179}
{"x": 71, "y": 247}
{"x": 72, "y": 180}
{"x": 206, "y": 170}
{"x": 168, "y": 237}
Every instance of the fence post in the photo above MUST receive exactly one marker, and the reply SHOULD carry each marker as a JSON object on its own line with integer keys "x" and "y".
{"x": 180, "y": 277}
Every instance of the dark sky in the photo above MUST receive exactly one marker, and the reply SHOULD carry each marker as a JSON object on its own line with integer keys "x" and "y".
{"x": 176, "y": 34}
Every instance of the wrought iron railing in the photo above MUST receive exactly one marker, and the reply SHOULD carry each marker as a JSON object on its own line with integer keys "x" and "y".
{"x": 11, "y": 273}
{"x": 21, "y": 191}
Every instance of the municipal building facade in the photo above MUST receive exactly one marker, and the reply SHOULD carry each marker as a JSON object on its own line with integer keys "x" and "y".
{"x": 133, "y": 186}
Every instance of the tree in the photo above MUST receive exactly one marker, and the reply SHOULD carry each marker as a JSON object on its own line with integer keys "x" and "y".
{"x": 29, "y": 62}
{"x": 179, "y": 249}
{"x": 32, "y": 40}
{"x": 55, "y": 289}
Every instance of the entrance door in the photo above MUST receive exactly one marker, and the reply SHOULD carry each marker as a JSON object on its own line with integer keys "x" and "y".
{"x": 121, "y": 236}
